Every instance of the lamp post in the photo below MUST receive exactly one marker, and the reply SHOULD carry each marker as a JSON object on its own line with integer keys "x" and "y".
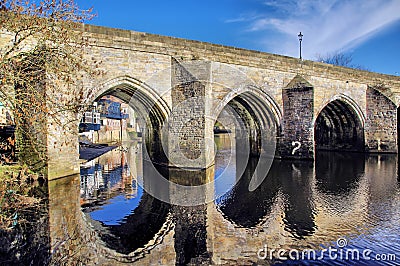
{"x": 300, "y": 39}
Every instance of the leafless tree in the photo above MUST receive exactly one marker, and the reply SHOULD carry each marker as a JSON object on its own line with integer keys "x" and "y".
{"x": 42, "y": 65}
{"x": 339, "y": 59}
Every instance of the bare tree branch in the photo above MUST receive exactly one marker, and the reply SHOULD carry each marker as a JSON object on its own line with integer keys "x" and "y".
{"x": 42, "y": 65}
{"x": 339, "y": 59}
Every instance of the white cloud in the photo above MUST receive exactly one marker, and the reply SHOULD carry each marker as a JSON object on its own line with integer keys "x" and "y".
{"x": 247, "y": 17}
{"x": 327, "y": 25}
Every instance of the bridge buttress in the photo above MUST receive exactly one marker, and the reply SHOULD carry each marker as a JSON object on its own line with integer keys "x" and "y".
{"x": 190, "y": 127}
{"x": 297, "y": 126}
{"x": 62, "y": 147}
{"x": 381, "y": 123}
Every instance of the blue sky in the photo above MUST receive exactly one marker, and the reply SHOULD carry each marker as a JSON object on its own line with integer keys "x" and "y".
{"x": 368, "y": 29}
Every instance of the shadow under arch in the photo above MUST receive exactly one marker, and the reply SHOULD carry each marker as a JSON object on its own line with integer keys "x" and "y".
{"x": 257, "y": 116}
{"x": 150, "y": 106}
{"x": 251, "y": 93}
{"x": 339, "y": 126}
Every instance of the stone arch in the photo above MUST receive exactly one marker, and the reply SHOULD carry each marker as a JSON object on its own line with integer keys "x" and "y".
{"x": 255, "y": 93}
{"x": 255, "y": 135}
{"x": 339, "y": 125}
{"x": 350, "y": 102}
{"x": 150, "y": 106}
{"x": 133, "y": 88}
{"x": 259, "y": 114}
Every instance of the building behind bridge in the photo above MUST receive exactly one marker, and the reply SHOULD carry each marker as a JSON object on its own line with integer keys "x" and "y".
{"x": 110, "y": 120}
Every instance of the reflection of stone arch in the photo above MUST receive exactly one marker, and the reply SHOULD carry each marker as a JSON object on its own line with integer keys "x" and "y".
{"x": 339, "y": 125}
{"x": 338, "y": 175}
{"x": 149, "y": 221}
{"x": 118, "y": 243}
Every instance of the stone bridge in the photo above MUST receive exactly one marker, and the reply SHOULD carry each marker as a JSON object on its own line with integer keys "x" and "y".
{"x": 273, "y": 99}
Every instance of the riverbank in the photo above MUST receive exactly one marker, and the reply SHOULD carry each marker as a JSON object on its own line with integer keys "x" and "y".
{"x": 92, "y": 151}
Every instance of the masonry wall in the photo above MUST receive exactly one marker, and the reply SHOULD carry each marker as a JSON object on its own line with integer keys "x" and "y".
{"x": 195, "y": 50}
{"x": 146, "y": 59}
{"x": 381, "y": 123}
{"x": 297, "y": 123}
{"x": 187, "y": 123}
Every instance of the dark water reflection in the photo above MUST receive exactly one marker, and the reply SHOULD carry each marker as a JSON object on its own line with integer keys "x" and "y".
{"x": 300, "y": 204}
{"x": 247, "y": 209}
{"x": 339, "y": 173}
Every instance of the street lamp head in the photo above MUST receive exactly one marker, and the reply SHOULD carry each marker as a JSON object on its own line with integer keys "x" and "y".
{"x": 300, "y": 36}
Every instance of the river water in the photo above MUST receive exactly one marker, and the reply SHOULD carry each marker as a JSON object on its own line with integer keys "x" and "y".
{"x": 342, "y": 208}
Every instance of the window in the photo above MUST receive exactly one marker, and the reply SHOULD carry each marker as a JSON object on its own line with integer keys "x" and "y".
{"x": 87, "y": 117}
{"x": 96, "y": 118}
